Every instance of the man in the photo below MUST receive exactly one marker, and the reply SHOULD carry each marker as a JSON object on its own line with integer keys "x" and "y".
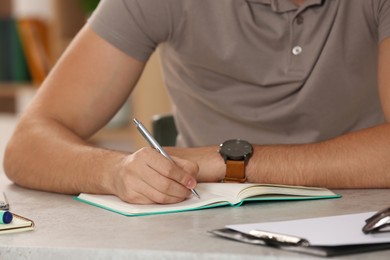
{"x": 306, "y": 83}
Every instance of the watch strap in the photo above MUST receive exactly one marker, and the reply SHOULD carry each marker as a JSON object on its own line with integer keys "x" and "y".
{"x": 235, "y": 171}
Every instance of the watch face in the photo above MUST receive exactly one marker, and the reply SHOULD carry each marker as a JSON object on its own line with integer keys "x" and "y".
{"x": 235, "y": 149}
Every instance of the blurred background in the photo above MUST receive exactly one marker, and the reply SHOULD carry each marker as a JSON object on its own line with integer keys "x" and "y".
{"x": 33, "y": 35}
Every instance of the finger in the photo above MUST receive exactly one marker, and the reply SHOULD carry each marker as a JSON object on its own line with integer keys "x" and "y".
{"x": 152, "y": 197}
{"x": 177, "y": 169}
{"x": 164, "y": 198}
{"x": 159, "y": 180}
{"x": 137, "y": 191}
{"x": 152, "y": 168}
{"x": 127, "y": 191}
{"x": 190, "y": 168}
{"x": 160, "y": 193}
{"x": 136, "y": 198}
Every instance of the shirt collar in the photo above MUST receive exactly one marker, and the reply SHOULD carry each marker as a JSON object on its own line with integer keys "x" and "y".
{"x": 281, "y": 6}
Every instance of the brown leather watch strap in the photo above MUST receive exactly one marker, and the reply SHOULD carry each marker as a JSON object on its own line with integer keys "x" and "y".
{"x": 235, "y": 171}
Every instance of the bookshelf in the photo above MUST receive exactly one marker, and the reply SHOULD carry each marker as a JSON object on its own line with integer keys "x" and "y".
{"x": 66, "y": 20}
{"x": 7, "y": 99}
{"x": 5, "y": 8}
{"x": 22, "y": 38}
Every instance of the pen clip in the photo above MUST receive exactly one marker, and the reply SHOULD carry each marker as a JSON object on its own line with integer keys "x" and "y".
{"x": 279, "y": 239}
{"x": 4, "y": 205}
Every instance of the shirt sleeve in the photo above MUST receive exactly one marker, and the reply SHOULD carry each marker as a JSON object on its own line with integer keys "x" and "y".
{"x": 383, "y": 18}
{"x": 136, "y": 27}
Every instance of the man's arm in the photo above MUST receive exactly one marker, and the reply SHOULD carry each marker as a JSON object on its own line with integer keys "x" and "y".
{"x": 48, "y": 150}
{"x": 354, "y": 160}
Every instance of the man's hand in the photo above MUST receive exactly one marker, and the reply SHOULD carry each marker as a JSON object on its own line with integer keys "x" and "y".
{"x": 148, "y": 177}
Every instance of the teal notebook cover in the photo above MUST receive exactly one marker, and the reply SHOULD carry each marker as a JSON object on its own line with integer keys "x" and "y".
{"x": 211, "y": 195}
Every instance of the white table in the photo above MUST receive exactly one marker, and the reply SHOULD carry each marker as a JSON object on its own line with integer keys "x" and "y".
{"x": 68, "y": 229}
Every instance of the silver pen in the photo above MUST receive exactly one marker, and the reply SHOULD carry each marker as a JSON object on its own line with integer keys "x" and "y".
{"x": 149, "y": 137}
{"x": 4, "y": 205}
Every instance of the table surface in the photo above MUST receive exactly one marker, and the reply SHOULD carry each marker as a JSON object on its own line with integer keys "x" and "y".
{"x": 69, "y": 229}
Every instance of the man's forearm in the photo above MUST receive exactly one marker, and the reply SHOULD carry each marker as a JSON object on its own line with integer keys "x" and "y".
{"x": 355, "y": 160}
{"x": 55, "y": 159}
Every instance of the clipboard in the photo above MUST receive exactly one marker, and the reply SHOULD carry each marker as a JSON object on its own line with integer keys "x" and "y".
{"x": 326, "y": 240}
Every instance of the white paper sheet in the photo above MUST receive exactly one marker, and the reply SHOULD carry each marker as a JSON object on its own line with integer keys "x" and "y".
{"x": 325, "y": 231}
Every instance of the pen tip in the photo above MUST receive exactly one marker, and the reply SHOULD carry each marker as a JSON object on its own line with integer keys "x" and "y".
{"x": 195, "y": 193}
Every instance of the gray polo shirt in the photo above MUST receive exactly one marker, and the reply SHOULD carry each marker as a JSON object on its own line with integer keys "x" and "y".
{"x": 261, "y": 70}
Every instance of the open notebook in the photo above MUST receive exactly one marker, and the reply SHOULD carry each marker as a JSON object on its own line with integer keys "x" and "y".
{"x": 212, "y": 195}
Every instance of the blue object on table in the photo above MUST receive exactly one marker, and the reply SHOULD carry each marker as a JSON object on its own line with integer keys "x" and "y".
{"x": 5, "y": 217}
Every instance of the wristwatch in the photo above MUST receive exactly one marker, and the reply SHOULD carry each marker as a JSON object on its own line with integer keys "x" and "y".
{"x": 236, "y": 153}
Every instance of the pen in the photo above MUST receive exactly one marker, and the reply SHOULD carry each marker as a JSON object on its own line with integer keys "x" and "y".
{"x": 148, "y": 136}
{"x": 4, "y": 205}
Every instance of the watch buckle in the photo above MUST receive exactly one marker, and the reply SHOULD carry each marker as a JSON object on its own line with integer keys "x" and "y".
{"x": 233, "y": 180}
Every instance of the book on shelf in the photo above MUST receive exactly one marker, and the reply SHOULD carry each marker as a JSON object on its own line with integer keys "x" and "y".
{"x": 13, "y": 64}
{"x": 34, "y": 36}
{"x": 212, "y": 195}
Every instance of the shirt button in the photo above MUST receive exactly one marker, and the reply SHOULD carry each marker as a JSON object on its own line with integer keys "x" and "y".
{"x": 297, "y": 50}
{"x": 299, "y": 19}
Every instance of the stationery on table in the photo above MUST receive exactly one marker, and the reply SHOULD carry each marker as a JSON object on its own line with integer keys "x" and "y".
{"x": 18, "y": 224}
{"x": 209, "y": 195}
{"x": 4, "y": 205}
{"x": 5, "y": 217}
{"x": 212, "y": 195}
{"x": 11, "y": 222}
{"x": 324, "y": 236}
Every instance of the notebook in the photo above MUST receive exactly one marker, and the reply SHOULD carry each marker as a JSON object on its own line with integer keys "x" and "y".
{"x": 212, "y": 195}
{"x": 18, "y": 224}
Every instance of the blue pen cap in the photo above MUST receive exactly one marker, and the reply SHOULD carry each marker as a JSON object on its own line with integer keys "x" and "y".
{"x": 5, "y": 217}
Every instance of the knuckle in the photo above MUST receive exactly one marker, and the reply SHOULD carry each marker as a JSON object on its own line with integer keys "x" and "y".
{"x": 143, "y": 152}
